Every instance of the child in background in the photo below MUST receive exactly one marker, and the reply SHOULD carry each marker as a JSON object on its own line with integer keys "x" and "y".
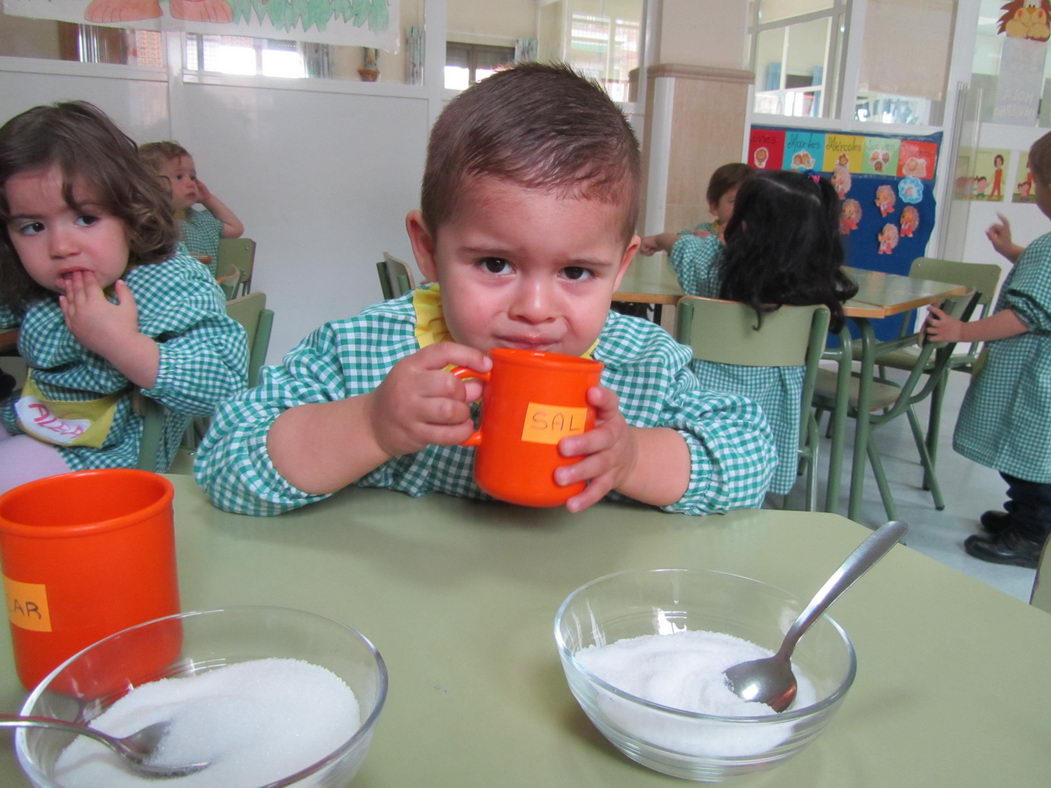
{"x": 200, "y": 230}
{"x": 529, "y": 202}
{"x": 721, "y": 194}
{"x": 1005, "y": 418}
{"x": 106, "y": 309}
{"x": 782, "y": 246}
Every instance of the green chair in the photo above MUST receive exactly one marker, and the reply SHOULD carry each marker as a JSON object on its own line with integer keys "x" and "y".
{"x": 890, "y": 399}
{"x": 724, "y": 332}
{"x": 239, "y": 254}
{"x": 251, "y": 312}
{"x": 983, "y": 278}
{"x": 395, "y": 276}
{"x": 1041, "y": 596}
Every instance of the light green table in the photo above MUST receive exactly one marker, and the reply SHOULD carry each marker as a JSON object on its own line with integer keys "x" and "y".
{"x": 460, "y": 598}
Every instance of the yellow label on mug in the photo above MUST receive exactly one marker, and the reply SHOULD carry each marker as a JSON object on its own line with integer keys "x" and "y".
{"x": 27, "y": 605}
{"x": 551, "y": 423}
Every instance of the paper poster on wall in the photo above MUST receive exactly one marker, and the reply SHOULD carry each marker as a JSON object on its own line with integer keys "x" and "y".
{"x": 880, "y": 156}
{"x": 804, "y": 150}
{"x": 365, "y": 23}
{"x": 990, "y": 166}
{"x": 766, "y": 149}
{"x": 917, "y": 159}
{"x": 843, "y": 150}
{"x": 1023, "y": 190}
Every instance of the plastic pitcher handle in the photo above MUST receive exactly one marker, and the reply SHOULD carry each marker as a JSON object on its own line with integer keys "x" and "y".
{"x": 463, "y": 373}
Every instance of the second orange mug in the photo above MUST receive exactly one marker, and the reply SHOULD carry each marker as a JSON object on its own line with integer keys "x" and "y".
{"x": 532, "y": 400}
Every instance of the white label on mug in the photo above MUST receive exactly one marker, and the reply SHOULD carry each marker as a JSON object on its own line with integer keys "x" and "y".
{"x": 27, "y": 605}
{"x": 551, "y": 423}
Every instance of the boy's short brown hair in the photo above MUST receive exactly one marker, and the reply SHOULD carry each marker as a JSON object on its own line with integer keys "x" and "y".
{"x": 725, "y": 178}
{"x": 156, "y": 154}
{"x": 1040, "y": 159}
{"x": 540, "y": 126}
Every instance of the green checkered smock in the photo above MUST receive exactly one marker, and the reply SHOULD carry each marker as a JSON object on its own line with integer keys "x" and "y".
{"x": 777, "y": 390}
{"x": 1005, "y": 418}
{"x": 201, "y": 232}
{"x": 730, "y": 445}
{"x": 203, "y": 360}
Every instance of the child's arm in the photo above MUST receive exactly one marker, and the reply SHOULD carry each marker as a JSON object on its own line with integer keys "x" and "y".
{"x": 323, "y": 447}
{"x": 110, "y": 330}
{"x": 661, "y": 242}
{"x": 1000, "y": 236}
{"x": 232, "y": 226}
{"x": 941, "y": 327}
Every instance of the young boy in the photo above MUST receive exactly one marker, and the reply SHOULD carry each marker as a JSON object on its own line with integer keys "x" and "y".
{"x": 1005, "y": 417}
{"x": 200, "y": 230}
{"x": 529, "y": 202}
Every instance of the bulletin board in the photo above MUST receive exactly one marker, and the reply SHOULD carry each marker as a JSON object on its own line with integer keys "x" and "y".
{"x": 885, "y": 183}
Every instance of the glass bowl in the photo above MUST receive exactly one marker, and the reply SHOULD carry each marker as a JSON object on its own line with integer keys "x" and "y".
{"x": 691, "y": 745}
{"x": 89, "y": 682}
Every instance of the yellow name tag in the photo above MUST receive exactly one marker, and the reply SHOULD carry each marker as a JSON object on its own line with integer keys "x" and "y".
{"x": 551, "y": 423}
{"x": 27, "y": 605}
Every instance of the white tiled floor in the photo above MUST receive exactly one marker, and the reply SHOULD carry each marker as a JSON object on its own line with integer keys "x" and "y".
{"x": 969, "y": 490}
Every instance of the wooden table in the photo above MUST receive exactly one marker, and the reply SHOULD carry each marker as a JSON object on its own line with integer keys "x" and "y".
{"x": 953, "y": 684}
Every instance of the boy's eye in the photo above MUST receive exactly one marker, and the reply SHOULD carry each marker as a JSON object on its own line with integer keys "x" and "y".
{"x": 575, "y": 272}
{"x": 86, "y": 220}
{"x": 30, "y": 228}
{"x": 494, "y": 265}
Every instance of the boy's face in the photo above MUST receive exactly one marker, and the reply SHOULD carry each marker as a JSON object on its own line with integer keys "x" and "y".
{"x": 724, "y": 208}
{"x": 182, "y": 179}
{"x": 524, "y": 268}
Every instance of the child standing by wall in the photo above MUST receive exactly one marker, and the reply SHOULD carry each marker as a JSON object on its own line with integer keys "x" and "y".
{"x": 200, "y": 230}
{"x": 782, "y": 246}
{"x": 529, "y": 203}
{"x": 105, "y": 307}
{"x": 1005, "y": 418}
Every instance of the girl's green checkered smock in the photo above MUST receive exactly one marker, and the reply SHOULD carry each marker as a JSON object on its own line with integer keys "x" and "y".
{"x": 200, "y": 233}
{"x": 730, "y": 445}
{"x": 777, "y": 390}
{"x": 203, "y": 360}
{"x": 1005, "y": 418}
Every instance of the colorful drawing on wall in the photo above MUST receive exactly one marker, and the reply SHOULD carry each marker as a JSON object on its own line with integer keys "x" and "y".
{"x": 917, "y": 159}
{"x": 886, "y": 199}
{"x": 888, "y": 239}
{"x": 841, "y": 180}
{"x": 989, "y": 173}
{"x": 910, "y": 220}
{"x": 849, "y": 216}
{"x": 843, "y": 150}
{"x": 880, "y": 155}
{"x": 350, "y": 22}
{"x": 1023, "y": 191}
{"x": 1026, "y": 19}
{"x": 804, "y": 150}
{"x": 910, "y": 190}
{"x": 766, "y": 149}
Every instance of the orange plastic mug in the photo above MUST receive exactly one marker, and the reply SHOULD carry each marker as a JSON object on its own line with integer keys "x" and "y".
{"x": 532, "y": 400}
{"x": 84, "y": 555}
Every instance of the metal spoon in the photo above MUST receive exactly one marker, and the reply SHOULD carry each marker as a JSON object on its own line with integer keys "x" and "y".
{"x": 138, "y": 749}
{"x": 770, "y": 680}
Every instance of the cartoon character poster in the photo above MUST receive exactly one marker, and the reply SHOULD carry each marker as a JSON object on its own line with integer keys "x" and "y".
{"x": 880, "y": 156}
{"x": 1023, "y": 190}
{"x": 1026, "y": 19}
{"x": 843, "y": 150}
{"x": 804, "y": 150}
{"x": 917, "y": 159}
{"x": 766, "y": 149}
{"x": 990, "y": 167}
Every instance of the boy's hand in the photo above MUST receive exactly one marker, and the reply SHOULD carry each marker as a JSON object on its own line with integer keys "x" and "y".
{"x": 648, "y": 245}
{"x": 609, "y": 452}
{"x": 420, "y": 403}
{"x": 97, "y": 324}
{"x": 940, "y": 327}
{"x": 1000, "y": 236}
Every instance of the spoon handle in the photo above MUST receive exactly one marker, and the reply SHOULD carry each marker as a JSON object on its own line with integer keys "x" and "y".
{"x": 857, "y": 563}
{"x": 15, "y": 721}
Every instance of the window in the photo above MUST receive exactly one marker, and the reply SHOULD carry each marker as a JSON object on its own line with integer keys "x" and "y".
{"x": 467, "y": 64}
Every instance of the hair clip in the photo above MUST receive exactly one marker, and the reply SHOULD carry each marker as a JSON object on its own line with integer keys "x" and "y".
{"x": 813, "y": 176}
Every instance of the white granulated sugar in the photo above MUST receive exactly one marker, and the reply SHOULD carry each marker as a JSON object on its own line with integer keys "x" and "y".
{"x": 684, "y": 671}
{"x": 255, "y": 722}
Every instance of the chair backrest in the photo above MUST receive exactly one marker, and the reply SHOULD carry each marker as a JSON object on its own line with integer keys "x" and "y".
{"x": 983, "y": 278}
{"x": 725, "y": 332}
{"x": 228, "y": 277}
{"x": 395, "y": 276}
{"x": 239, "y": 253}
{"x": 251, "y": 312}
